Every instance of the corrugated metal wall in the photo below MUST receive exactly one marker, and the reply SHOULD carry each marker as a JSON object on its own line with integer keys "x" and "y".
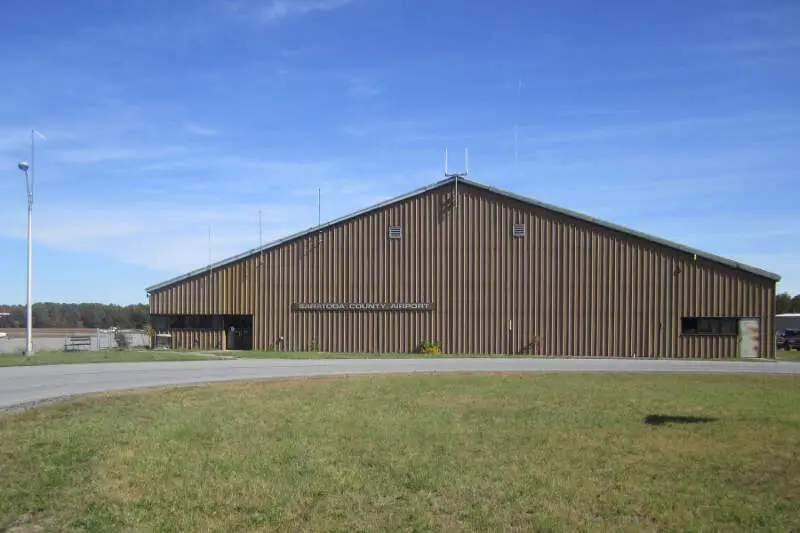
{"x": 195, "y": 339}
{"x": 568, "y": 287}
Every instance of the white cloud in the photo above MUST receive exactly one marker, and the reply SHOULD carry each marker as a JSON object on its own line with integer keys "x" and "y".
{"x": 752, "y": 46}
{"x": 163, "y": 237}
{"x": 283, "y": 8}
{"x": 94, "y": 155}
{"x": 147, "y": 230}
{"x": 679, "y": 126}
{"x": 402, "y": 131}
{"x": 273, "y": 11}
{"x": 362, "y": 87}
{"x": 14, "y": 139}
{"x": 200, "y": 131}
{"x": 102, "y": 154}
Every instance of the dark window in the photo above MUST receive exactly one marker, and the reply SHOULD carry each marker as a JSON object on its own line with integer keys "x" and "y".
{"x": 160, "y": 322}
{"x": 198, "y": 321}
{"x": 709, "y": 326}
{"x": 163, "y": 322}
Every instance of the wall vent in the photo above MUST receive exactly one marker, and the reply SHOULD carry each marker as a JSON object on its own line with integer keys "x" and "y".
{"x": 518, "y": 230}
{"x": 395, "y": 232}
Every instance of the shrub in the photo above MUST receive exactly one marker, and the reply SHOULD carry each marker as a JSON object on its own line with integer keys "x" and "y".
{"x": 149, "y": 331}
{"x": 430, "y": 347}
{"x": 121, "y": 339}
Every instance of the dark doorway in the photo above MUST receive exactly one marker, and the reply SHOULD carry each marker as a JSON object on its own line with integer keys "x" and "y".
{"x": 238, "y": 332}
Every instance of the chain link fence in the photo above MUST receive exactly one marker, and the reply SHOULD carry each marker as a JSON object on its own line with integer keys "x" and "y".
{"x": 97, "y": 340}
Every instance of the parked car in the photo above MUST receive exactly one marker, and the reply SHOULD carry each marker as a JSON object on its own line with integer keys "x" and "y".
{"x": 788, "y": 339}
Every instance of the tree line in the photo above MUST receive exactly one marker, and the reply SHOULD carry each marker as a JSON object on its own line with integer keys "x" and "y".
{"x": 85, "y": 315}
{"x": 786, "y": 303}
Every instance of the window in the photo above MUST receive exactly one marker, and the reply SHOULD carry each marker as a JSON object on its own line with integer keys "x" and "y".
{"x": 198, "y": 321}
{"x": 162, "y": 322}
{"x": 395, "y": 232}
{"x": 709, "y": 326}
{"x": 518, "y": 230}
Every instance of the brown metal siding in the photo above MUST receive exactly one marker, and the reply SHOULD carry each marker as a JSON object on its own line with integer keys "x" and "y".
{"x": 569, "y": 287}
{"x": 196, "y": 339}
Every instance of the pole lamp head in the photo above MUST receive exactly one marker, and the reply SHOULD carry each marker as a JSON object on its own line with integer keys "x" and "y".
{"x": 23, "y": 166}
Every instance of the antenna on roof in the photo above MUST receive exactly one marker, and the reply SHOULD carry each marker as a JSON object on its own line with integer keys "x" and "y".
{"x": 448, "y": 174}
{"x": 456, "y": 175}
{"x": 209, "y": 280}
{"x": 260, "y": 241}
{"x": 260, "y": 270}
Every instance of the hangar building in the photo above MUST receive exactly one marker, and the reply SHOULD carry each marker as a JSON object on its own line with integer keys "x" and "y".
{"x": 477, "y": 270}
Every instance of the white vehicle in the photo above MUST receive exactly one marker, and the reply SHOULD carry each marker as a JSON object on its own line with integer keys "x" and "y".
{"x": 3, "y": 335}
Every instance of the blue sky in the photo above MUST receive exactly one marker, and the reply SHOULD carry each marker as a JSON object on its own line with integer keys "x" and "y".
{"x": 679, "y": 119}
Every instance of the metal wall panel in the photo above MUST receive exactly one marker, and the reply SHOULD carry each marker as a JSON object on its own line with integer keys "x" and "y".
{"x": 195, "y": 339}
{"x": 568, "y": 287}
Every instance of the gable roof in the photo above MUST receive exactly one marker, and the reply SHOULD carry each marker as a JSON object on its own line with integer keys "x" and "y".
{"x": 530, "y": 201}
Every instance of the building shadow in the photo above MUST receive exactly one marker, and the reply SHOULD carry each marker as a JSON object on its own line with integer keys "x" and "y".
{"x": 660, "y": 420}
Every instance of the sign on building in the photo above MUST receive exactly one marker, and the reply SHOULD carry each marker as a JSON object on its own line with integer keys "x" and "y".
{"x": 334, "y": 306}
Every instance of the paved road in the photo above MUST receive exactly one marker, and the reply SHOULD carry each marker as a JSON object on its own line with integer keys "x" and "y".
{"x": 21, "y": 385}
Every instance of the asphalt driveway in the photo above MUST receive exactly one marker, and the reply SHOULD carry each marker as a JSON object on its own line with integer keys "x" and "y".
{"x": 26, "y": 385}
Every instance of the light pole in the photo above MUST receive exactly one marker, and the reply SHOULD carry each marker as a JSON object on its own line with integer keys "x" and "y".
{"x": 23, "y": 166}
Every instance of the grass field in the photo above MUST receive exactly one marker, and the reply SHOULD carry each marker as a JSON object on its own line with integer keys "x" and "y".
{"x": 516, "y": 452}
{"x": 348, "y": 355}
{"x": 104, "y": 356}
{"x": 114, "y": 356}
{"x": 786, "y": 355}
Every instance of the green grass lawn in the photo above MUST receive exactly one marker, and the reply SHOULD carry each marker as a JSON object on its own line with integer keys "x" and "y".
{"x": 786, "y": 355}
{"x": 114, "y": 356}
{"x": 346, "y": 355}
{"x": 105, "y": 356}
{"x": 514, "y": 452}
{"x": 335, "y": 355}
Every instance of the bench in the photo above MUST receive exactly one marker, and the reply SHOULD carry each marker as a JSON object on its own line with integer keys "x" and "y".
{"x": 76, "y": 342}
